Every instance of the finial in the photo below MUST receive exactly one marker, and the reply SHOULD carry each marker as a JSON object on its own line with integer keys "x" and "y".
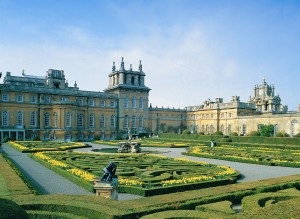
{"x": 113, "y": 67}
{"x": 140, "y": 66}
{"x": 75, "y": 84}
{"x": 23, "y": 72}
{"x": 122, "y": 65}
{"x": 130, "y": 67}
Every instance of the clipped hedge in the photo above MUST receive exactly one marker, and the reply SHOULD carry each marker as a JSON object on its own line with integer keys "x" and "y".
{"x": 243, "y": 139}
{"x": 174, "y": 188}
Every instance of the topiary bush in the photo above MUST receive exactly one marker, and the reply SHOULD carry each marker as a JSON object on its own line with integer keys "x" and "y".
{"x": 186, "y": 132}
{"x": 218, "y": 133}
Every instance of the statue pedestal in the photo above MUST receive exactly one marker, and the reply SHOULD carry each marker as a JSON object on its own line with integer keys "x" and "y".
{"x": 107, "y": 189}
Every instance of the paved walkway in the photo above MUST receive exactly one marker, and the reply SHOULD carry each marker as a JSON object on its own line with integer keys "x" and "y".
{"x": 47, "y": 181}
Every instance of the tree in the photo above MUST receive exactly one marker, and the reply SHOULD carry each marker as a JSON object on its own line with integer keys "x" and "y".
{"x": 266, "y": 130}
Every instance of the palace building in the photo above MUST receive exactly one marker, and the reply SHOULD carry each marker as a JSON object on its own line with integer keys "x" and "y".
{"x": 48, "y": 108}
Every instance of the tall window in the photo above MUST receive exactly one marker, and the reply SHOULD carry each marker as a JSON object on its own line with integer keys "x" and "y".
{"x": 275, "y": 129}
{"x": 294, "y": 127}
{"x": 211, "y": 129}
{"x": 55, "y": 120}
{"x": 5, "y": 97}
{"x": 92, "y": 103}
{"x": 126, "y": 121}
{"x": 141, "y": 103}
{"x": 92, "y": 120}
{"x": 222, "y": 129}
{"x": 229, "y": 129}
{"x": 113, "y": 121}
{"x": 47, "y": 120}
{"x": 126, "y": 102}
{"x": 141, "y": 122}
{"x": 244, "y": 129}
{"x": 68, "y": 119}
{"x": 33, "y": 99}
{"x": 19, "y": 98}
{"x": 112, "y": 103}
{"x": 80, "y": 102}
{"x": 19, "y": 118}
{"x": 102, "y": 103}
{"x": 80, "y": 121}
{"x": 102, "y": 121}
{"x": 47, "y": 99}
{"x": 5, "y": 118}
{"x": 133, "y": 122}
{"x": 134, "y": 102}
{"x": 33, "y": 119}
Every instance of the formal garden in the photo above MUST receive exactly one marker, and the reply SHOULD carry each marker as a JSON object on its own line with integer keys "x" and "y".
{"x": 172, "y": 188}
{"x": 272, "y": 198}
{"x": 142, "y": 174}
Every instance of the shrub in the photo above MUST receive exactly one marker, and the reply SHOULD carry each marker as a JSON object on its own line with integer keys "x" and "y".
{"x": 297, "y": 135}
{"x": 201, "y": 133}
{"x": 234, "y": 134}
{"x": 218, "y": 133}
{"x": 186, "y": 132}
{"x": 254, "y": 133}
{"x": 5, "y": 139}
{"x": 281, "y": 134}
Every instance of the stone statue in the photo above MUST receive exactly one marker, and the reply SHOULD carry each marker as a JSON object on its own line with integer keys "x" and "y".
{"x": 109, "y": 172}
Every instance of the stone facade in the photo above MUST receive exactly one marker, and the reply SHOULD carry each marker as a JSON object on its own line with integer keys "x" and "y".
{"x": 48, "y": 108}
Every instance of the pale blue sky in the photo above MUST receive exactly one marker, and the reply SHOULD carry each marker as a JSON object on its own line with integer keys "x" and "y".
{"x": 190, "y": 50}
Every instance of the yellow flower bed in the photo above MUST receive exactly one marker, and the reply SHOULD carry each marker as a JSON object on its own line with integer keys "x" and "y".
{"x": 186, "y": 180}
{"x": 51, "y": 161}
{"x": 130, "y": 182}
{"x": 82, "y": 174}
{"x": 17, "y": 145}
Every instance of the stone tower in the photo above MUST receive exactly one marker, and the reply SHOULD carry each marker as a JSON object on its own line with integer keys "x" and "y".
{"x": 265, "y": 100}
{"x": 133, "y": 97}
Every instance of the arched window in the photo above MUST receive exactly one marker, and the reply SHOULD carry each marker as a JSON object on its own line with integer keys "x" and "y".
{"x": 5, "y": 118}
{"x": 113, "y": 121}
{"x": 244, "y": 129}
{"x": 275, "y": 129}
{"x": 102, "y": 121}
{"x": 126, "y": 121}
{"x": 33, "y": 119}
{"x": 133, "y": 122}
{"x": 92, "y": 120}
{"x": 19, "y": 119}
{"x": 55, "y": 120}
{"x": 222, "y": 129}
{"x": 141, "y": 122}
{"x": 47, "y": 120}
{"x": 211, "y": 129}
{"x": 229, "y": 129}
{"x": 294, "y": 127}
{"x": 80, "y": 121}
{"x": 68, "y": 119}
